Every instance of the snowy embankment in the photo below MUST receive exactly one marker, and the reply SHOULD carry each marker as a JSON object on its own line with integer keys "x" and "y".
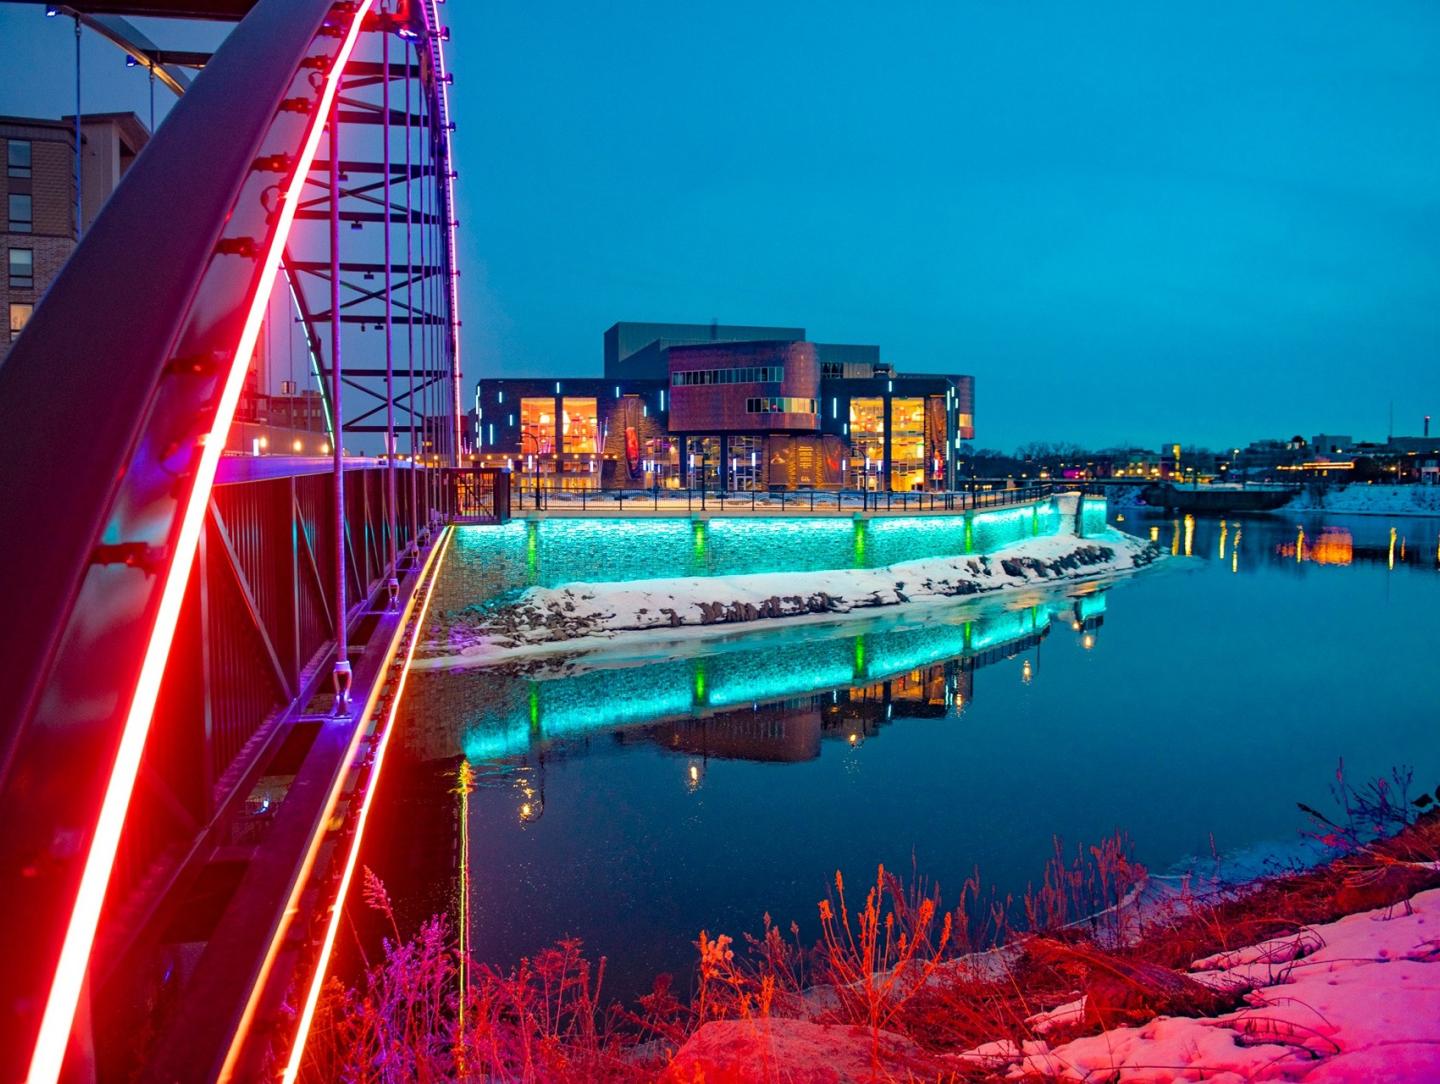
{"x": 1348, "y": 1000}
{"x": 553, "y": 615}
{"x": 1369, "y": 500}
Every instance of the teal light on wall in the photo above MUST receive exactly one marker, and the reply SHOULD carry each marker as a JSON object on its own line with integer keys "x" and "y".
{"x": 532, "y": 551}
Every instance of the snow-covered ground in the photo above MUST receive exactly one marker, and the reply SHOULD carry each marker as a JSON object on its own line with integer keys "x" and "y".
{"x": 1370, "y": 500}
{"x": 1350, "y": 1000}
{"x": 1355, "y": 499}
{"x": 583, "y": 611}
{"x": 1353, "y": 1001}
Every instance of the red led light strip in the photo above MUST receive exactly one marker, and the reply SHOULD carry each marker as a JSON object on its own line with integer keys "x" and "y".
{"x": 327, "y": 946}
{"x": 60, "y": 1005}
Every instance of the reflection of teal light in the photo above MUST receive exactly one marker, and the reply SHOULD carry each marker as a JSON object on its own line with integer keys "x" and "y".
{"x": 1090, "y": 606}
{"x": 899, "y": 651}
{"x": 743, "y": 677}
{"x": 999, "y": 629}
{"x": 508, "y": 722}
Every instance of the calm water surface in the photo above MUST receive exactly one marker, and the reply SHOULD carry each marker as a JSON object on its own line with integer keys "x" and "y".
{"x": 634, "y": 802}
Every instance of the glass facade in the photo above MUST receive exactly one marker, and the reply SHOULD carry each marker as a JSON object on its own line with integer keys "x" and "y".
{"x": 582, "y": 426}
{"x": 747, "y": 463}
{"x": 537, "y": 426}
{"x": 907, "y": 444}
{"x": 704, "y": 455}
{"x": 867, "y": 443}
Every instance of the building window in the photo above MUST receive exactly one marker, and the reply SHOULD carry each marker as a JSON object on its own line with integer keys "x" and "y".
{"x": 537, "y": 426}
{"x": 19, "y": 317}
{"x": 22, "y": 269}
{"x": 22, "y": 215}
{"x": 582, "y": 426}
{"x": 18, "y": 157}
{"x": 779, "y": 404}
{"x": 907, "y": 444}
{"x": 867, "y": 442}
{"x": 752, "y": 374}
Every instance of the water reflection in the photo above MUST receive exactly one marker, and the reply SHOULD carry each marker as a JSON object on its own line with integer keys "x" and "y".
{"x": 635, "y": 800}
{"x": 747, "y": 690}
{"x": 1410, "y": 544}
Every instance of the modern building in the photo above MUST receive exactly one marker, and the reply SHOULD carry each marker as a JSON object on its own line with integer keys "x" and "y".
{"x": 729, "y": 407}
{"x": 40, "y": 228}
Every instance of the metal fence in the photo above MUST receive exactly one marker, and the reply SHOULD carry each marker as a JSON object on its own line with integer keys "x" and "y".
{"x": 476, "y": 495}
{"x": 806, "y": 501}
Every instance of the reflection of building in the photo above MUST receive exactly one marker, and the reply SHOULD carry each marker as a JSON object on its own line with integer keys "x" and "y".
{"x": 792, "y": 730}
{"x": 40, "y": 229}
{"x": 729, "y": 407}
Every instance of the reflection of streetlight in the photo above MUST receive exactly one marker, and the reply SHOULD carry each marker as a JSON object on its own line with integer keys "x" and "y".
{"x": 1025, "y": 672}
{"x": 694, "y": 774}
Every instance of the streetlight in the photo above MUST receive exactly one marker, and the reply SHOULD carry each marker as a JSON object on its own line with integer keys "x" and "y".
{"x": 534, "y": 463}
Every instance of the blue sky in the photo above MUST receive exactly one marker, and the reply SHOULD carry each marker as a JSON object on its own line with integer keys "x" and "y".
{"x": 1131, "y": 222}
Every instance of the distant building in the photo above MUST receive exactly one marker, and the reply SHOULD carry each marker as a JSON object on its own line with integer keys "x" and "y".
{"x": 40, "y": 230}
{"x": 729, "y": 407}
{"x": 1328, "y": 444}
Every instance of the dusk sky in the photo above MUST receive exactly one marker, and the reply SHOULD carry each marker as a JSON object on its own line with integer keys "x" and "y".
{"x": 1131, "y": 223}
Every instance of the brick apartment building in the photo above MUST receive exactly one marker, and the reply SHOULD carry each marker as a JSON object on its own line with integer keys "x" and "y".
{"x": 40, "y": 230}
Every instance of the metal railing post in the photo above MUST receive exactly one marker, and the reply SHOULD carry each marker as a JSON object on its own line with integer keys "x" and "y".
{"x": 341, "y": 672}
{"x": 391, "y": 518}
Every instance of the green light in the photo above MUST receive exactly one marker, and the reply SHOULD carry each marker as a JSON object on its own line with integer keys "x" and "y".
{"x": 859, "y": 656}
{"x": 532, "y": 551}
{"x": 859, "y": 543}
{"x": 697, "y": 547}
{"x": 534, "y": 708}
{"x": 699, "y": 694}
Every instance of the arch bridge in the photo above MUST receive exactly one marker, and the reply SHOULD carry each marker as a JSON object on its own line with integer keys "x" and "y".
{"x": 205, "y": 648}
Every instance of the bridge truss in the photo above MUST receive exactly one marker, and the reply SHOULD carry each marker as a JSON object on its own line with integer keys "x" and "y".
{"x": 206, "y": 650}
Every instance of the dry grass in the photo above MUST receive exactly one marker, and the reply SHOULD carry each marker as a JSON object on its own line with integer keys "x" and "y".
{"x": 900, "y": 961}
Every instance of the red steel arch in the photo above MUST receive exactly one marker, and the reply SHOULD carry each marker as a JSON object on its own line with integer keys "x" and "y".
{"x": 118, "y": 397}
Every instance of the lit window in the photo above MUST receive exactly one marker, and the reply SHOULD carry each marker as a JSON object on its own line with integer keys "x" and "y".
{"x": 18, "y": 156}
{"x": 19, "y": 317}
{"x": 22, "y": 269}
{"x": 22, "y": 215}
{"x": 537, "y": 426}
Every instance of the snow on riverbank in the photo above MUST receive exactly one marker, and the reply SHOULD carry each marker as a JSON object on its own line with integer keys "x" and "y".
{"x": 575, "y": 611}
{"x": 1369, "y": 500}
{"x": 1354, "y": 499}
{"x": 1349, "y": 1000}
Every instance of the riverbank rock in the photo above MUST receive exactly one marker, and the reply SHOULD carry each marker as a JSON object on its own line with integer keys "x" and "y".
{"x": 798, "y": 1052}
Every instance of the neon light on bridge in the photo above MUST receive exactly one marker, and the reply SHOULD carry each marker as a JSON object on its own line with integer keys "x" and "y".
{"x": 64, "y": 996}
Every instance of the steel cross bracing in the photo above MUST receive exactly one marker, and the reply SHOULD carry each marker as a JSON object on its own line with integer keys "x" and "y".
{"x": 180, "y": 619}
{"x": 415, "y": 286}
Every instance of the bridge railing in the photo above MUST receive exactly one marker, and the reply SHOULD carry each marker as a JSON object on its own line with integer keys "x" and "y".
{"x": 476, "y": 495}
{"x": 780, "y": 501}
